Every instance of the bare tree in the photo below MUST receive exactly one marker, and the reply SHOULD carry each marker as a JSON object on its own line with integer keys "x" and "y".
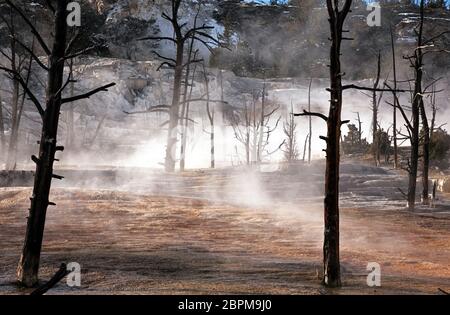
{"x": 309, "y": 122}
{"x": 360, "y": 132}
{"x": 241, "y": 123}
{"x": 191, "y": 57}
{"x": 19, "y": 61}
{"x": 290, "y": 148}
{"x": 395, "y": 104}
{"x": 332, "y": 273}
{"x": 210, "y": 112}
{"x": 2, "y": 126}
{"x": 337, "y": 15}
{"x": 61, "y": 51}
{"x": 375, "y": 108}
{"x": 416, "y": 61}
{"x": 180, "y": 38}
{"x": 423, "y": 47}
{"x": 185, "y": 115}
{"x": 262, "y": 120}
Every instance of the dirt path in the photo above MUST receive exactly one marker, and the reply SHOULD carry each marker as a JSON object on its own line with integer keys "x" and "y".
{"x": 144, "y": 244}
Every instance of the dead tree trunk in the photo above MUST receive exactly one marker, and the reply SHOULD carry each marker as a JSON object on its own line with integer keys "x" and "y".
{"x": 185, "y": 121}
{"x": 394, "y": 111}
{"x": 27, "y": 271}
{"x": 304, "y": 148}
{"x": 12, "y": 146}
{"x": 262, "y": 121}
{"x": 290, "y": 143}
{"x": 425, "y": 154}
{"x": 70, "y": 137}
{"x": 310, "y": 122}
{"x": 434, "y": 110}
{"x": 416, "y": 62}
{"x": 186, "y": 104}
{"x": 198, "y": 34}
{"x": 332, "y": 272}
{"x": 210, "y": 113}
{"x": 2, "y": 127}
{"x": 375, "y": 134}
{"x": 174, "y": 111}
{"x": 358, "y": 118}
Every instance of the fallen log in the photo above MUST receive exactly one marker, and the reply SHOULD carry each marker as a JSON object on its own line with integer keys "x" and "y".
{"x": 58, "y": 276}
{"x": 445, "y": 292}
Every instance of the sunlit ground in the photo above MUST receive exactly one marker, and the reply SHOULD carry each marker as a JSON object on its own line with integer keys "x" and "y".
{"x": 148, "y": 243}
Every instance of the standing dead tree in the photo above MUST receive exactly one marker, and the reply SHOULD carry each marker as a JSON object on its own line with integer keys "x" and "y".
{"x": 191, "y": 56}
{"x": 210, "y": 113}
{"x": 262, "y": 121}
{"x": 416, "y": 61}
{"x": 57, "y": 56}
{"x": 423, "y": 47}
{"x": 181, "y": 36}
{"x": 20, "y": 60}
{"x": 290, "y": 149}
{"x": 332, "y": 272}
{"x": 187, "y": 96}
{"x": 2, "y": 127}
{"x": 309, "y": 122}
{"x": 375, "y": 108}
{"x": 360, "y": 132}
{"x": 337, "y": 15}
{"x": 249, "y": 122}
{"x": 241, "y": 123}
{"x": 395, "y": 105}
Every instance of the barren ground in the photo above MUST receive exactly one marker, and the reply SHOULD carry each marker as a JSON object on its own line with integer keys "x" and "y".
{"x": 176, "y": 235}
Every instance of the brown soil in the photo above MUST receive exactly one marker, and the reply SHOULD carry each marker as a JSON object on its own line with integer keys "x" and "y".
{"x": 129, "y": 243}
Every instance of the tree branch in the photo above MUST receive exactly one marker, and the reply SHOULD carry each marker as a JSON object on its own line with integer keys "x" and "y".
{"x": 306, "y": 113}
{"x": 88, "y": 94}
{"x": 33, "y": 28}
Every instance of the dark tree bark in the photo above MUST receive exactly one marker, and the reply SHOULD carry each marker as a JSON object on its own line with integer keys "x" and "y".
{"x": 211, "y": 113}
{"x": 12, "y": 146}
{"x": 262, "y": 121}
{"x": 2, "y": 127}
{"x": 433, "y": 112}
{"x": 425, "y": 154}
{"x": 417, "y": 102}
{"x": 57, "y": 277}
{"x": 358, "y": 118}
{"x": 185, "y": 120}
{"x": 310, "y": 122}
{"x": 70, "y": 136}
{"x": 186, "y": 103}
{"x": 332, "y": 272}
{"x": 375, "y": 103}
{"x": 198, "y": 34}
{"x": 394, "y": 110}
{"x": 174, "y": 108}
{"x": 27, "y": 271}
